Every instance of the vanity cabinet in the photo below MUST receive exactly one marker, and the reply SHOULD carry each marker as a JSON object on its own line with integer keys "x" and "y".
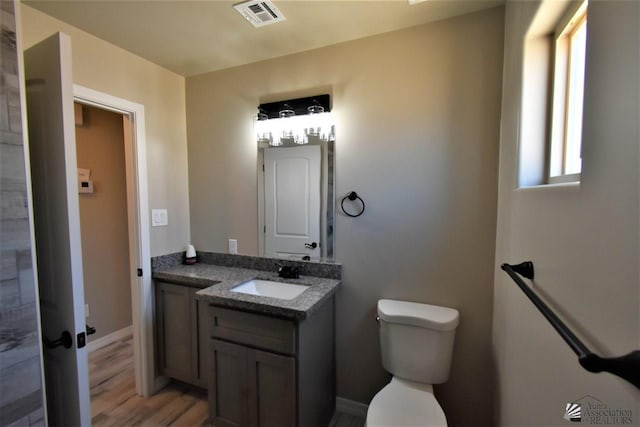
{"x": 267, "y": 371}
{"x": 181, "y": 338}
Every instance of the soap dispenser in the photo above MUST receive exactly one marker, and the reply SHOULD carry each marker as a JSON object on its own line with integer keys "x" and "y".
{"x": 190, "y": 255}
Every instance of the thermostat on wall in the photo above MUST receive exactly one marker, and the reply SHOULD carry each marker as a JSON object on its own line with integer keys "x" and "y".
{"x": 85, "y": 184}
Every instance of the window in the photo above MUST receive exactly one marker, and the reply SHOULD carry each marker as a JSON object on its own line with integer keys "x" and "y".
{"x": 568, "y": 95}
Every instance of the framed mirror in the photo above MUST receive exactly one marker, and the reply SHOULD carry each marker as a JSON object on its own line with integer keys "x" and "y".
{"x": 296, "y": 209}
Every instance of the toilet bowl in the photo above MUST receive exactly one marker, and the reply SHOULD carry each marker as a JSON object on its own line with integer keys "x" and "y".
{"x": 416, "y": 342}
{"x": 405, "y": 403}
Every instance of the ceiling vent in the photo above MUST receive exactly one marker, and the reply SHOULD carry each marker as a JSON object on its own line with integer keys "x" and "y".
{"x": 259, "y": 12}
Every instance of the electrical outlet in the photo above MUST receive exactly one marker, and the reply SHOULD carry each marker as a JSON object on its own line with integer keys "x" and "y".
{"x": 86, "y": 310}
{"x": 233, "y": 246}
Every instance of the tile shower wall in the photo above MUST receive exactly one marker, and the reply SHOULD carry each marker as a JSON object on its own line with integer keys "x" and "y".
{"x": 20, "y": 377}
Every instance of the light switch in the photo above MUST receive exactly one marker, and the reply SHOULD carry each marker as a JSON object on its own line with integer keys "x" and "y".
{"x": 159, "y": 217}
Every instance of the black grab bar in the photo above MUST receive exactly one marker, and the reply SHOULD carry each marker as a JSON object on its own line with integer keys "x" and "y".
{"x": 626, "y": 367}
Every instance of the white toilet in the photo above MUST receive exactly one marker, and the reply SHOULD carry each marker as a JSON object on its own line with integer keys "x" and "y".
{"x": 416, "y": 341}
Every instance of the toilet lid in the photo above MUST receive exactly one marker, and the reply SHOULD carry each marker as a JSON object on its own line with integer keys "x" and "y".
{"x": 405, "y": 403}
{"x": 428, "y": 316}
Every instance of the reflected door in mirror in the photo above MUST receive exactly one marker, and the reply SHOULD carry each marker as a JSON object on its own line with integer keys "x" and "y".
{"x": 292, "y": 202}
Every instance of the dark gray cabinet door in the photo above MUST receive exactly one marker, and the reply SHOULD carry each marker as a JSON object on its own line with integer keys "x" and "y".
{"x": 249, "y": 387}
{"x": 182, "y": 333}
{"x": 272, "y": 389}
{"x": 228, "y": 394}
{"x": 174, "y": 335}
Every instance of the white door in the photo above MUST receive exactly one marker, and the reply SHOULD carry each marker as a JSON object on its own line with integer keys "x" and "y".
{"x": 57, "y": 228}
{"x": 292, "y": 202}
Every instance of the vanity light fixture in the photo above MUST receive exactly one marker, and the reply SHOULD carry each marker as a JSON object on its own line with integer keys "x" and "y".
{"x": 286, "y": 112}
{"x": 264, "y": 135}
{"x": 295, "y": 121}
{"x": 316, "y": 108}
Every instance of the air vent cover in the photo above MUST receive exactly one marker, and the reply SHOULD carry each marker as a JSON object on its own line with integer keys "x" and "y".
{"x": 259, "y": 12}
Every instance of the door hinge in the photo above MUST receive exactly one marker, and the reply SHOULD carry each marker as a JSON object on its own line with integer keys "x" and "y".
{"x": 139, "y": 272}
{"x": 265, "y": 229}
{"x": 263, "y": 167}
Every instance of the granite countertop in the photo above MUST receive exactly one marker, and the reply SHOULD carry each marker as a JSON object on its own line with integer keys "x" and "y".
{"x": 216, "y": 282}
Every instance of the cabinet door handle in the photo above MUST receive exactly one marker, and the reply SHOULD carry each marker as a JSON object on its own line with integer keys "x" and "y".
{"x": 311, "y": 245}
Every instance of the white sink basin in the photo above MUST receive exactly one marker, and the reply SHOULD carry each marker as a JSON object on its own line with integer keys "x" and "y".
{"x": 267, "y": 288}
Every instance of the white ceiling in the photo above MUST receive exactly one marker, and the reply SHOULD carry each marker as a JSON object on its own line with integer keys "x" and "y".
{"x": 194, "y": 37}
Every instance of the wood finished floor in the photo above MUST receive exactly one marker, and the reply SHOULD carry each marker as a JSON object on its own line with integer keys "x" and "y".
{"x": 114, "y": 402}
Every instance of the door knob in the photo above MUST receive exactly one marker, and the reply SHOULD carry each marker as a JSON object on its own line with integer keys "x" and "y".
{"x": 90, "y": 330}
{"x": 65, "y": 340}
{"x": 311, "y": 245}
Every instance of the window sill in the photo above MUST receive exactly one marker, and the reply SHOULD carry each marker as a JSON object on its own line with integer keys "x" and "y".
{"x": 564, "y": 179}
{"x": 561, "y": 186}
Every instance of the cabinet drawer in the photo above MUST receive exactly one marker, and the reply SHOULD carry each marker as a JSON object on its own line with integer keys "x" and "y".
{"x": 256, "y": 330}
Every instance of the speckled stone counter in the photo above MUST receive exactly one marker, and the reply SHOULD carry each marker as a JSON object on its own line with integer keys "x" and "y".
{"x": 216, "y": 282}
{"x": 330, "y": 270}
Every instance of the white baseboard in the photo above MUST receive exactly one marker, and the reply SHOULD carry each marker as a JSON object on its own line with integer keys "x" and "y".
{"x": 108, "y": 339}
{"x": 351, "y": 407}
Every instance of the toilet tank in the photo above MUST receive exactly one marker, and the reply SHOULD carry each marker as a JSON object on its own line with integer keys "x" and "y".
{"x": 416, "y": 340}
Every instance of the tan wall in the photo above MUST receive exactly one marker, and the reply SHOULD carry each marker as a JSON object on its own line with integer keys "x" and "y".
{"x": 417, "y": 137}
{"x": 106, "y": 68}
{"x": 582, "y": 239}
{"x": 103, "y": 222}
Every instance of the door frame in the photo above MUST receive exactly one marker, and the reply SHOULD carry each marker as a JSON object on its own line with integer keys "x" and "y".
{"x": 139, "y": 241}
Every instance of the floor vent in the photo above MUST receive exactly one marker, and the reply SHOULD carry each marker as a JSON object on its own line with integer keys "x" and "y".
{"x": 259, "y": 12}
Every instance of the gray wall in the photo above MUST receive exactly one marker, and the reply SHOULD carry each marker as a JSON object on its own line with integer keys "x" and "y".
{"x": 418, "y": 115}
{"x": 103, "y": 222}
{"x": 20, "y": 372}
{"x": 582, "y": 239}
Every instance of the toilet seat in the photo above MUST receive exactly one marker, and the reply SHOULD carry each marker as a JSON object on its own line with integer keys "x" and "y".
{"x": 405, "y": 403}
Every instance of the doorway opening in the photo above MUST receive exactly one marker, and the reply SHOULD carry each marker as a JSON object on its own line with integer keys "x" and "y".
{"x": 106, "y": 262}
{"x": 133, "y": 256}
